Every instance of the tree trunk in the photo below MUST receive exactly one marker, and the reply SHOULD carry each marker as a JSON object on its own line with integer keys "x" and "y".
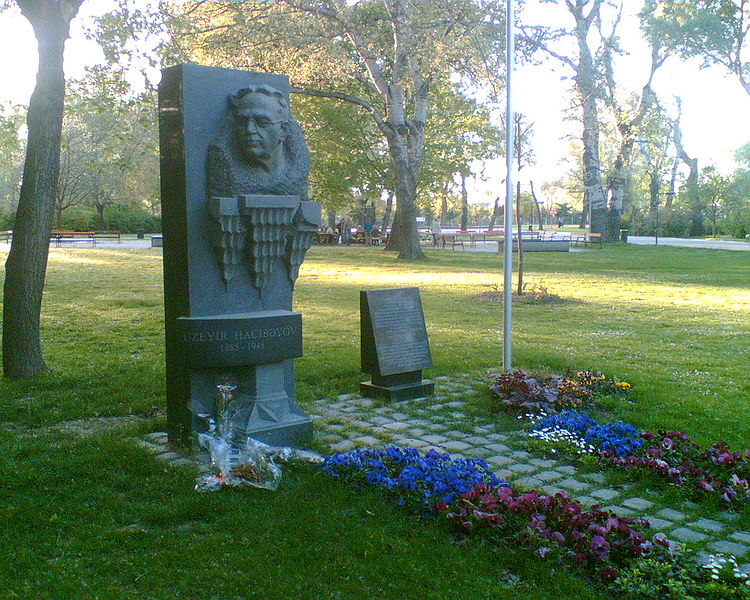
{"x": 653, "y": 194}
{"x": 27, "y": 261}
{"x": 536, "y": 205}
{"x": 464, "y": 205}
{"x": 520, "y": 245}
{"x": 100, "y": 216}
{"x": 387, "y": 213}
{"x": 444, "y": 211}
{"x": 331, "y": 217}
{"x": 616, "y": 186}
{"x": 405, "y": 160}
{"x": 586, "y": 85}
{"x": 694, "y": 201}
{"x": 495, "y": 218}
{"x": 672, "y": 181}
{"x": 584, "y": 221}
{"x": 58, "y": 214}
{"x": 691, "y": 185}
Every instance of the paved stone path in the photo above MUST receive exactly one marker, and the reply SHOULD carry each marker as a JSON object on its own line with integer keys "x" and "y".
{"x": 441, "y": 422}
{"x": 644, "y": 240}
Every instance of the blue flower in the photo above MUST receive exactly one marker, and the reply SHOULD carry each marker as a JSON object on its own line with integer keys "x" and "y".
{"x": 622, "y": 439}
{"x": 426, "y": 479}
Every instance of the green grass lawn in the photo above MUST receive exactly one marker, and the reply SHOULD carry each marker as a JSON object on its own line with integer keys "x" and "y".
{"x": 96, "y": 517}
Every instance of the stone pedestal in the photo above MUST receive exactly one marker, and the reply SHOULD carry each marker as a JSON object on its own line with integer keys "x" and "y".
{"x": 403, "y": 386}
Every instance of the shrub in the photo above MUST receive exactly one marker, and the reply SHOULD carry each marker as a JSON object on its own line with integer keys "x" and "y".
{"x": 679, "y": 577}
{"x": 123, "y": 220}
{"x": 131, "y": 221}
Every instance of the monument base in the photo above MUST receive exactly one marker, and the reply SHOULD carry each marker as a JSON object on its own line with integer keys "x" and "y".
{"x": 401, "y": 386}
{"x": 295, "y": 434}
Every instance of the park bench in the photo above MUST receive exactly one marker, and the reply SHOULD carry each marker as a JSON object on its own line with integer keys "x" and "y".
{"x": 6, "y": 236}
{"x": 553, "y": 234}
{"x": 499, "y": 234}
{"x": 587, "y": 239}
{"x": 443, "y": 239}
{"x": 59, "y": 236}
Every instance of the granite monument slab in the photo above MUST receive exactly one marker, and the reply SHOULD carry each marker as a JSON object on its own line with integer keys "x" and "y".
{"x": 394, "y": 344}
{"x": 237, "y": 222}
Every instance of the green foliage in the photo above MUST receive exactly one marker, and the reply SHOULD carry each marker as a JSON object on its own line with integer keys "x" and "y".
{"x": 132, "y": 221}
{"x": 679, "y": 579}
{"x": 119, "y": 219}
{"x": 110, "y": 147}
{"x": 714, "y": 31}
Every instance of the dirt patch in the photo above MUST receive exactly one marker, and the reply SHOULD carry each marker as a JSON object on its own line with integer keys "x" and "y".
{"x": 78, "y": 427}
{"x": 532, "y": 297}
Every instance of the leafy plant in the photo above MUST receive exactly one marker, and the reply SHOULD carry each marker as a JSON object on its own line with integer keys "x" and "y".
{"x": 595, "y": 540}
{"x": 679, "y": 576}
{"x": 522, "y": 392}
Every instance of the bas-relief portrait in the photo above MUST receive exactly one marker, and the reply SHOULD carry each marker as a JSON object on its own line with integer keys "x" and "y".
{"x": 260, "y": 150}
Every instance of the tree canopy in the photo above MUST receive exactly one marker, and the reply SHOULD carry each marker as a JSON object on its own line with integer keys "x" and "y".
{"x": 715, "y": 31}
{"x": 386, "y": 57}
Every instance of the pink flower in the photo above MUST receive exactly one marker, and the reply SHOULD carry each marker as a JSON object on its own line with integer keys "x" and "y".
{"x": 599, "y": 547}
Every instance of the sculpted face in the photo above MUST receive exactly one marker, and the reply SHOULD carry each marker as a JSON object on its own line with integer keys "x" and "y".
{"x": 260, "y": 128}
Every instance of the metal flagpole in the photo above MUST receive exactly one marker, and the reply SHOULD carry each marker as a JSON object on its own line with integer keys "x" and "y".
{"x": 508, "y": 245}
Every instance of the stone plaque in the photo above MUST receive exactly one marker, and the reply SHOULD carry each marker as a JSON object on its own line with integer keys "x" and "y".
{"x": 394, "y": 336}
{"x": 395, "y": 347}
{"x": 243, "y": 339}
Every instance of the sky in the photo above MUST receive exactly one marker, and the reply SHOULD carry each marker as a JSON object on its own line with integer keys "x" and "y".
{"x": 714, "y": 104}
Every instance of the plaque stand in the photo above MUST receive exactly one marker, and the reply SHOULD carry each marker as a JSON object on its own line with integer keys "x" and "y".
{"x": 402, "y": 386}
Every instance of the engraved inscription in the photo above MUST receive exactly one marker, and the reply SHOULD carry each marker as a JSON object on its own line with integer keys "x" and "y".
{"x": 398, "y": 328}
{"x": 239, "y": 335}
{"x": 248, "y": 340}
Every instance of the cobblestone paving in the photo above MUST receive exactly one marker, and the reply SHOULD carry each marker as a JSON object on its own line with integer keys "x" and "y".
{"x": 439, "y": 422}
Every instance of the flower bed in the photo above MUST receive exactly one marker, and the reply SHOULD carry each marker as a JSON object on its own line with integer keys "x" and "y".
{"x": 556, "y": 526}
{"x": 612, "y": 550}
{"x": 669, "y": 454}
{"x": 519, "y": 391}
{"x": 427, "y": 479}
